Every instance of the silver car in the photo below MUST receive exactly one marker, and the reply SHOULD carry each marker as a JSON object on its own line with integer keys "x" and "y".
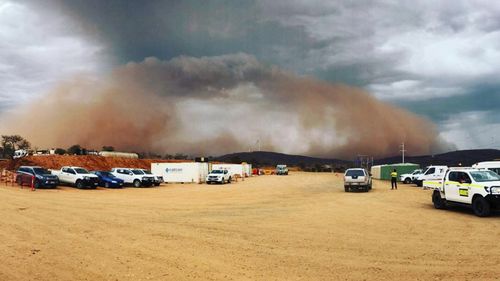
{"x": 357, "y": 179}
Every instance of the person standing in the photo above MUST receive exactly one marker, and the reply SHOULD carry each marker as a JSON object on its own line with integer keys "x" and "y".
{"x": 394, "y": 179}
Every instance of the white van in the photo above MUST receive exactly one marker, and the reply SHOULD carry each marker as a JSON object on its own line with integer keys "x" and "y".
{"x": 490, "y": 165}
{"x": 431, "y": 173}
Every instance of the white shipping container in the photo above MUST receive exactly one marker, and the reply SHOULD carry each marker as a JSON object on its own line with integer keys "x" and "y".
{"x": 188, "y": 172}
{"x": 234, "y": 169}
{"x": 248, "y": 169}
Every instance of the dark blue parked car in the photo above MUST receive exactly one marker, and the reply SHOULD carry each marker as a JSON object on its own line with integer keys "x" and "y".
{"x": 107, "y": 179}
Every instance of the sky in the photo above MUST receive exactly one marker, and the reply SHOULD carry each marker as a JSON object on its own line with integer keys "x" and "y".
{"x": 438, "y": 59}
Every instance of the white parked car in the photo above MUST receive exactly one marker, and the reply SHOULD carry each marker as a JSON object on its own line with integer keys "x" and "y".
{"x": 135, "y": 177}
{"x": 76, "y": 176}
{"x": 478, "y": 188}
{"x": 158, "y": 178}
{"x": 409, "y": 178}
{"x": 218, "y": 176}
{"x": 357, "y": 178}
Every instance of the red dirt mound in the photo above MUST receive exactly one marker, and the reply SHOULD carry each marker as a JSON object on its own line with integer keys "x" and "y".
{"x": 89, "y": 162}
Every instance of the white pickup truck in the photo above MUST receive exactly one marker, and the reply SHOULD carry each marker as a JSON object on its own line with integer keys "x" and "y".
{"x": 218, "y": 176}
{"x": 479, "y": 188}
{"x": 134, "y": 177}
{"x": 76, "y": 176}
{"x": 431, "y": 175}
{"x": 158, "y": 178}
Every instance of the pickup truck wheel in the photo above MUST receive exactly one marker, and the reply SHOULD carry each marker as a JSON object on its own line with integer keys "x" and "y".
{"x": 79, "y": 184}
{"x": 137, "y": 183}
{"x": 439, "y": 203}
{"x": 407, "y": 181}
{"x": 481, "y": 207}
{"x": 229, "y": 180}
{"x": 419, "y": 183}
{"x": 36, "y": 184}
{"x": 346, "y": 188}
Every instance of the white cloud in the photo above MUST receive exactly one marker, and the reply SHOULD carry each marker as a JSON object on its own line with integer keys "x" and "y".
{"x": 39, "y": 50}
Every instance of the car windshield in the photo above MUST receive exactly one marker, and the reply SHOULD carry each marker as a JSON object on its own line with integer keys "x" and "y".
{"x": 355, "y": 173}
{"x": 138, "y": 172}
{"x": 483, "y": 176}
{"x": 217, "y": 172}
{"x": 81, "y": 171}
{"x": 147, "y": 172}
{"x": 107, "y": 174}
{"x": 417, "y": 172}
{"x": 41, "y": 171}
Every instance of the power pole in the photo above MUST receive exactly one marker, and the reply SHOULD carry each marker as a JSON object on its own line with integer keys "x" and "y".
{"x": 402, "y": 149}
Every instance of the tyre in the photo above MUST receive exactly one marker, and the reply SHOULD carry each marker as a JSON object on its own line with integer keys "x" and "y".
{"x": 157, "y": 184}
{"x": 419, "y": 183}
{"x": 36, "y": 184}
{"x": 137, "y": 183}
{"x": 439, "y": 203}
{"x": 79, "y": 184}
{"x": 229, "y": 180}
{"x": 19, "y": 181}
{"x": 407, "y": 181}
{"x": 481, "y": 206}
{"x": 106, "y": 185}
{"x": 346, "y": 188}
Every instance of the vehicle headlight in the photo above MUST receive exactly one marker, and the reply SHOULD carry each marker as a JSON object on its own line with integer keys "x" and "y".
{"x": 495, "y": 190}
{"x": 144, "y": 178}
{"x": 86, "y": 178}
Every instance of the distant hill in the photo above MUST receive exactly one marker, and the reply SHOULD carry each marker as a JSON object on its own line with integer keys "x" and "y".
{"x": 453, "y": 158}
{"x": 265, "y": 158}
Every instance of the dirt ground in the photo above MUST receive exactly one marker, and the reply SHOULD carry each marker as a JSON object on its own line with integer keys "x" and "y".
{"x": 297, "y": 227}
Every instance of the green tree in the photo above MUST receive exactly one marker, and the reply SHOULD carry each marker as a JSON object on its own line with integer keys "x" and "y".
{"x": 12, "y": 143}
{"x": 75, "y": 149}
{"x": 60, "y": 151}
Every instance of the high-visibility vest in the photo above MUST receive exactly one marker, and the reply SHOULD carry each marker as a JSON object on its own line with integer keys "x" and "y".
{"x": 394, "y": 175}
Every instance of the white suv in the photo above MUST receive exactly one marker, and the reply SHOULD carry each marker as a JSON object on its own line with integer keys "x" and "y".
{"x": 409, "y": 178}
{"x": 357, "y": 178}
{"x": 479, "y": 188}
{"x": 135, "y": 177}
{"x": 218, "y": 176}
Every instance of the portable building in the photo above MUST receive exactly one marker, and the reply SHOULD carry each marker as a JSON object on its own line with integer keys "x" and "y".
{"x": 247, "y": 169}
{"x": 118, "y": 154}
{"x": 233, "y": 169}
{"x": 383, "y": 172}
{"x": 187, "y": 172}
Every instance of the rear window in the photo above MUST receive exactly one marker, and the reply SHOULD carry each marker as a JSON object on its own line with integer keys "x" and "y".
{"x": 355, "y": 173}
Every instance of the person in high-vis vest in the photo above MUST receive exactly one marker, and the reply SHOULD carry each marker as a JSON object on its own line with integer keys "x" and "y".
{"x": 394, "y": 179}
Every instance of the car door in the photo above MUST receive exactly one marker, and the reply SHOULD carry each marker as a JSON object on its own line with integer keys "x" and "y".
{"x": 464, "y": 188}
{"x": 451, "y": 186}
{"x": 125, "y": 175}
{"x": 25, "y": 176}
{"x": 458, "y": 187}
{"x": 63, "y": 175}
